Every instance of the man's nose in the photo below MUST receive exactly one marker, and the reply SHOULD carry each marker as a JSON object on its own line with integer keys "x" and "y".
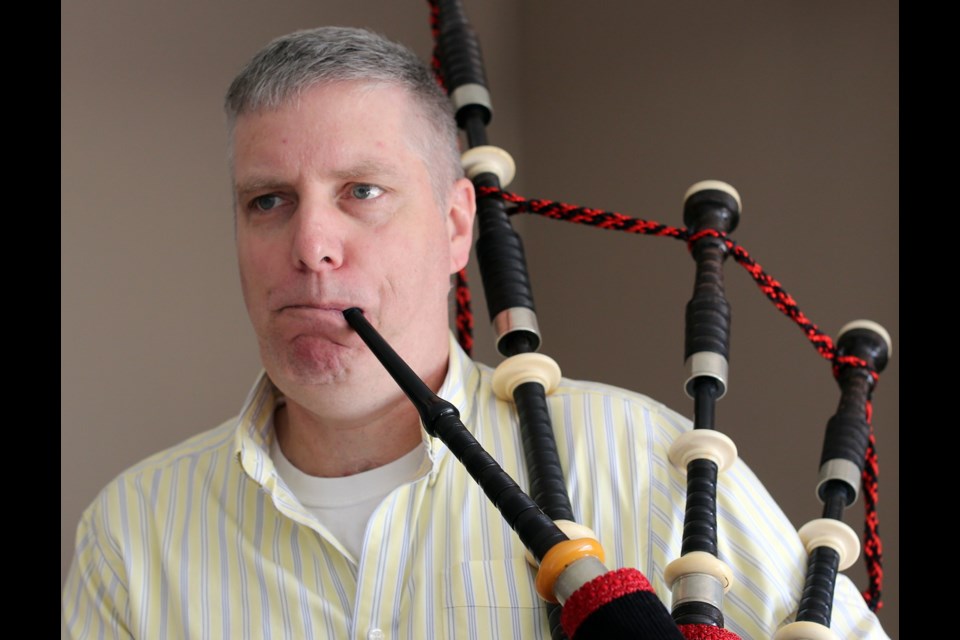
{"x": 317, "y": 237}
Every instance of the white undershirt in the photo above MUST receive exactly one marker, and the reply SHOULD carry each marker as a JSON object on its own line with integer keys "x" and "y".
{"x": 344, "y": 505}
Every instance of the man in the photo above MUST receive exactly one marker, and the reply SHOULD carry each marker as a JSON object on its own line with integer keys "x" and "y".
{"x": 323, "y": 510}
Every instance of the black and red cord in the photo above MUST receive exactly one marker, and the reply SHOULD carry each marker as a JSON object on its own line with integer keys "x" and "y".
{"x": 773, "y": 291}
{"x": 872, "y": 544}
{"x": 769, "y": 286}
{"x": 435, "y": 64}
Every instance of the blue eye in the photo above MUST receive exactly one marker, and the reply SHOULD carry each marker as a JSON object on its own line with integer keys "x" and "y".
{"x": 267, "y": 202}
{"x": 365, "y": 191}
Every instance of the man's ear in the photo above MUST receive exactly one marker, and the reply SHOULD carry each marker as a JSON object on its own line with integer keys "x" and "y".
{"x": 461, "y": 209}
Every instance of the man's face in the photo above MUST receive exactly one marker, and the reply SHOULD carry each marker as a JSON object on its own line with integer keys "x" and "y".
{"x": 336, "y": 209}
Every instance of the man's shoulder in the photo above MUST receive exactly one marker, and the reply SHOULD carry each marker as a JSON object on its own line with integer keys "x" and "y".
{"x": 194, "y": 453}
{"x": 619, "y": 398}
{"x": 569, "y": 386}
{"x": 193, "y": 449}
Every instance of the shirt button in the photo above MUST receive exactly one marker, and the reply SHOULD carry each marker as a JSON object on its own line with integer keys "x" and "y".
{"x": 376, "y": 634}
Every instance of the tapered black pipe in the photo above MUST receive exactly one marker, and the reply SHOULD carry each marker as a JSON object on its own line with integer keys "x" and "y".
{"x": 634, "y": 611}
{"x": 442, "y": 420}
{"x": 503, "y": 265}
{"x": 861, "y": 353}
{"x": 707, "y": 331}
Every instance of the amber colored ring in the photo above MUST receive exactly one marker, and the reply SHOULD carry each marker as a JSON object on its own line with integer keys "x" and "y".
{"x": 561, "y": 556}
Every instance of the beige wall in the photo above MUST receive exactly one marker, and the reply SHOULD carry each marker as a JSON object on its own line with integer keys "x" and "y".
{"x": 796, "y": 104}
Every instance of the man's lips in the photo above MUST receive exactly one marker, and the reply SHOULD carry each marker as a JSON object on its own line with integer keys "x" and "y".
{"x": 326, "y": 313}
{"x": 307, "y": 314}
{"x": 331, "y": 307}
{"x": 313, "y": 307}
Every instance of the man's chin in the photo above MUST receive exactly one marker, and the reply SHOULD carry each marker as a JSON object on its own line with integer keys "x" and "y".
{"x": 309, "y": 364}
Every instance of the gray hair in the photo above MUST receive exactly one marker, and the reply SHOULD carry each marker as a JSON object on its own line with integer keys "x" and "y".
{"x": 294, "y": 63}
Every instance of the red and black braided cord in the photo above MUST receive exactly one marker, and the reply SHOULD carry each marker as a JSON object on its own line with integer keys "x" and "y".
{"x": 773, "y": 291}
{"x": 464, "y": 313}
{"x": 872, "y": 544}
{"x": 615, "y": 221}
{"x": 768, "y": 285}
{"x": 435, "y": 64}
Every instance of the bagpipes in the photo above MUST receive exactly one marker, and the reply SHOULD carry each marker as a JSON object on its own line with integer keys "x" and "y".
{"x": 597, "y": 602}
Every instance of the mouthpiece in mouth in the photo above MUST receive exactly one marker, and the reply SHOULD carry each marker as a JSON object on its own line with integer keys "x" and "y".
{"x": 425, "y": 400}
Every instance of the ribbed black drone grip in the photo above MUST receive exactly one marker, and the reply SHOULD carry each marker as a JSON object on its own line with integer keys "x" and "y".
{"x": 503, "y": 265}
{"x": 847, "y": 430}
{"x": 537, "y": 532}
{"x": 816, "y": 602}
{"x": 459, "y": 49}
{"x": 700, "y": 519}
{"x": 547, "y": 486}
{"x": 708, "y": 313}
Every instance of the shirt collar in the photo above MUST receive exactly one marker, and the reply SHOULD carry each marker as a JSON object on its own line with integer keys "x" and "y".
{"x": 254, "y": 431}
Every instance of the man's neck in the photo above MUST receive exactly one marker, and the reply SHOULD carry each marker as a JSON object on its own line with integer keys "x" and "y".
{"x": 337, "y": 444}
{"x": 333, "y": 450}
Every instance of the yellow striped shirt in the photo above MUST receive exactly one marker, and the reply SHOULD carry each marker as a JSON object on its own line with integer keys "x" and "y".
{"x": 204, "y": 540}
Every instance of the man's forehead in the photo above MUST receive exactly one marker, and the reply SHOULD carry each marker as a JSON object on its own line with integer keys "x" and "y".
{"x": 347, "y": 108}
{"x": 339, "y": 111}
{"x": 363, "y": 94}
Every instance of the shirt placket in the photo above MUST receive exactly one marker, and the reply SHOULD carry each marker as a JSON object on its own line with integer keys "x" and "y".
{"x": 383, "y": 581}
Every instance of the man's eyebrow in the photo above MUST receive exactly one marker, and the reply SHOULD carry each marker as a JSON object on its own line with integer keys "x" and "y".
{"x": 250, "y": 185}
{"x": 368, "y": 169}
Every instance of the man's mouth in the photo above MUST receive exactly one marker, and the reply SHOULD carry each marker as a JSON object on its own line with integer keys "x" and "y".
{"x": 326, "y": 313}
{"x": 332, "y": 307}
